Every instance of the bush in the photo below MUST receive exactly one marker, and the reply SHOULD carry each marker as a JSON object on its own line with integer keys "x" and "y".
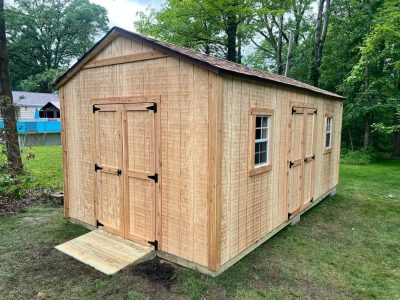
{"x": 356, "y": 157}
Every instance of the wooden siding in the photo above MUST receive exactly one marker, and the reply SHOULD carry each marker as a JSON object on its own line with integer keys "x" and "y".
{"x": 253, "y": 206}
{"x": 184, "y": 109}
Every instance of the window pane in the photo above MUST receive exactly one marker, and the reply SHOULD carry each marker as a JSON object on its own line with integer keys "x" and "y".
{"x": 263, "y": 133}
{"x": 265, "y": 122}
{"x": 267, "y": 151}
{"x": 258, "y": 121}
{"x": 258, "y": 134}
{"x": 263, "y": 157}
{"x": 257, "y": 149}
{"x": 256, "y": 159}
{"x": 263, "y": 146}
{"x": 328, "y": 140}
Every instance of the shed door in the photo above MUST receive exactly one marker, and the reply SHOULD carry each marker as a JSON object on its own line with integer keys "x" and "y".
{"x": 141, "y": 177}
{"x": 109, "y": 164}
{"x": 295, "y": 187}
{"x": 301, "y": 158}
{"x": 309, "y": 154}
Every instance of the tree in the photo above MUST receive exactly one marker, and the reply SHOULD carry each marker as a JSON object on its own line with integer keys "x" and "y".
{"x": 321, "y": 28}
{"x": 213, "y": 26}
{"x": 7, "y": 105}
{"x": 46, "y": 35}
{"x": 379, "y": 69}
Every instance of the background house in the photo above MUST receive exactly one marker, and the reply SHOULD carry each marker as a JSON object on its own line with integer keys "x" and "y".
{"x": 28, "y": 104}
{"x": 38, "y": 118}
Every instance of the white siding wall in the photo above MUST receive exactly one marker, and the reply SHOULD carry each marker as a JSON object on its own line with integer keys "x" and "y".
{"x": 27, "y": 112}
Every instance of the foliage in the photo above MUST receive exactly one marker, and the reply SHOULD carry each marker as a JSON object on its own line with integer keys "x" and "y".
{"x": 42, "y": 172}
{"x": 45, "y": 36}
{"x": 213, "y": 26}
{"x": 356, "y": 157}
{"x": 42, "y": 82}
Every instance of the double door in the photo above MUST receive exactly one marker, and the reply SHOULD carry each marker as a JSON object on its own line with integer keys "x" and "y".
{"x": 301, "y": 158}
{"x": 126, "y": 169}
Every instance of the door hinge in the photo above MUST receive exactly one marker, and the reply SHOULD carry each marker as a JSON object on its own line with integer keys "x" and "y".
{"x": 97, "y": 167}
{"x": 153, "y": 177}
{"x": 119, "y": 172}
{"x": 98, "y": 224}
{"x": 152, "y": 107}
{"x": 154, "y": 243}
{"x": 293, "y": 110}
{"x": 289, "y": 215}
{"x": 95, "y": 108}
{"x": 315, "y": 111}
{"x": 291, "y": 164}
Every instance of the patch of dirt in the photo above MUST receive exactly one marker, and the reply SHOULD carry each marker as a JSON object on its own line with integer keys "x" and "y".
{"x": 12, "y": 206}
{"x": 157, "y": 271}
{"x": 34, "y": 197}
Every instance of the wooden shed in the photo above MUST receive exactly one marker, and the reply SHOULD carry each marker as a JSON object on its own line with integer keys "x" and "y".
{"x": 197, "y": 158}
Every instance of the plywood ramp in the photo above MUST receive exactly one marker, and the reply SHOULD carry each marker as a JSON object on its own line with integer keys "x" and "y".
{"x": 106, "y": 252}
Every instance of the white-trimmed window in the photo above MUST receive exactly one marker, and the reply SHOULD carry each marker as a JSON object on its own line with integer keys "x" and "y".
{"x": 328, "y": 132}
{"x": 260, "y": 141}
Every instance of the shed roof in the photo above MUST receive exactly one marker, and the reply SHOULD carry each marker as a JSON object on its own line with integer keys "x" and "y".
{"x": 217, "y": 65}
{"x": 33, "y": 99}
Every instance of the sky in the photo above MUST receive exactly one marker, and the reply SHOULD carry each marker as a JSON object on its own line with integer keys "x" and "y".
{"x": 122, "y": 13}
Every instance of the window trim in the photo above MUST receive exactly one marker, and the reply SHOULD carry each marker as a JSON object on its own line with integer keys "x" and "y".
{"x": 327, "y": 116}
{"x": 253, "y": 170}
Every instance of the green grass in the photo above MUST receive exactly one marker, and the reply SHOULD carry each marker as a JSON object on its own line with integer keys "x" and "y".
{"x": 45, "y": 164}
{"x": 348, "y": 246}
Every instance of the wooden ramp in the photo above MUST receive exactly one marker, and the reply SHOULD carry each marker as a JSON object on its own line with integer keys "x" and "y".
{"x": 106, "y": 252}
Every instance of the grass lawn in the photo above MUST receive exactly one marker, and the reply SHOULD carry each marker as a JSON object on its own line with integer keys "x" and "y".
{"x": 348, "y": 246}
{"x": 46, "y": 164}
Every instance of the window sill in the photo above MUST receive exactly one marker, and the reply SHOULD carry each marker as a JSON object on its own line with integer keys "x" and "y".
{"x": 260, "y": 170}
{"x": 327, "y": 150}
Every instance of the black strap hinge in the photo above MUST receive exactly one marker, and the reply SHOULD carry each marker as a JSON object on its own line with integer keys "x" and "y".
{"x": 97, "y": 167}
{"x": 315, "y": 111}
{"x": 98, "y": 224}
{"x": 153, "y": 177}
{"x": 95, "y": 108}
{"x": 152, "y": 107}
{"x": 154, "y": 243}
{"x": 293, "y": 110}
{"x": 119, "y": 172}
{"x": 291, "y": 164}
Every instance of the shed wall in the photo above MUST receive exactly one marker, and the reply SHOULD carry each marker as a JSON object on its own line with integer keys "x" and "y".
{"x": 252, "y": 206}
{"x": 185, "y": 92}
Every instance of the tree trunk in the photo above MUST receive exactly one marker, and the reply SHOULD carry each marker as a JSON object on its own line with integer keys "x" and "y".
{"x": 396, "y": 148}
{"x": 366, "y": 132}
{"x": 351, "y": 141}
{"x": 239, "y": 50}
{"x": 231, "y": 33}
{"x": 279, "y": 68}
{"x": 321, "y": 29}
{"x": 289, "y": 54}
{"x": 6, "y": 104}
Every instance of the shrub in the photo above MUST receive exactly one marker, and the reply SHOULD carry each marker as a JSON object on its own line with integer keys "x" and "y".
{"x": 356, "y": 157}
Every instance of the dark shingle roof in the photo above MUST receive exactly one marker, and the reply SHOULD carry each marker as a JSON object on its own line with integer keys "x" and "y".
{"x": 212, "y": 63}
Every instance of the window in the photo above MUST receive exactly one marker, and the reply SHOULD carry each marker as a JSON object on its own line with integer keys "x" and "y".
{"x": 260, "y": 141}
{"x": 328, "y": 132}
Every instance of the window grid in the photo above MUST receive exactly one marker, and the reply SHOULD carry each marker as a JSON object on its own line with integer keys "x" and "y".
{"x": 261, "y": 151}
{"x": 328, "y": 137}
